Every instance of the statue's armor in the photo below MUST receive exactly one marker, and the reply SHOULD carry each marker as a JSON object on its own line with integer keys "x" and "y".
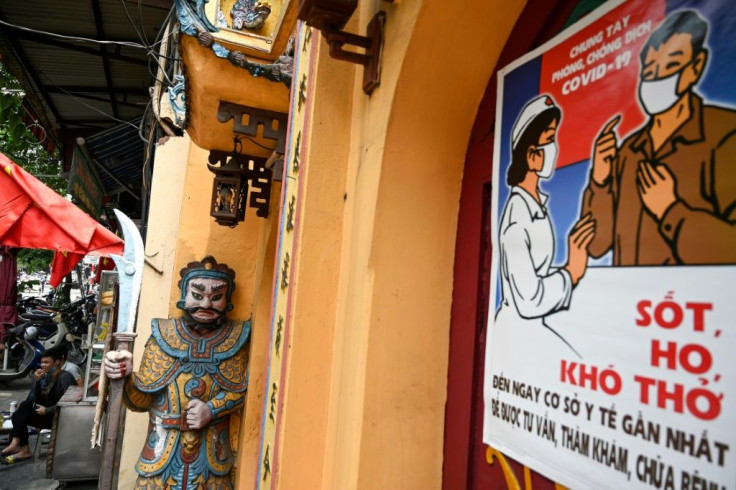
{"x": 180, "y": 364}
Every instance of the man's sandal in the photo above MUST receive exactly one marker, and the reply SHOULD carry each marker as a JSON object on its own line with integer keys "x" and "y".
{"x": 13, "y": 459}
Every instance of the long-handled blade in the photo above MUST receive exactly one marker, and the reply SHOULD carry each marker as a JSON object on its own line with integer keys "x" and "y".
{"x": 130, "y": 273}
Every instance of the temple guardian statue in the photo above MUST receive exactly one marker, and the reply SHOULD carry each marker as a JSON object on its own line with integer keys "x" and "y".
{"x": 192, "y": 377}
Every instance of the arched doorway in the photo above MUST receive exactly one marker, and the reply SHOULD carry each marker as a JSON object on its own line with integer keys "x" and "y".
{"x": 465, "y": 464}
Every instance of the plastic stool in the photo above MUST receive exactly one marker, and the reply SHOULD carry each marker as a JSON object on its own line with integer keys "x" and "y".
{"x": 44, "y": 436}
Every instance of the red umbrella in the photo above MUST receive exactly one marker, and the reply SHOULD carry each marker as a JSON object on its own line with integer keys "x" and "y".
{"x": 34, "y": 216}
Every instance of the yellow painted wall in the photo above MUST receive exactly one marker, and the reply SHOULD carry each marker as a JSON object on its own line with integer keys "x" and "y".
{"x": 167, "y": 193}
{"x": 181, "y": 231}
{"x": 316, "y": 275}
{"x": 250, "y": 430}
{"x": 367, "y": 368}
{"x": 367, "y": 375}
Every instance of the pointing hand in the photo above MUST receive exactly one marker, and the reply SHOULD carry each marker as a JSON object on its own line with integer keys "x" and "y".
{"x": 605, "y": 151}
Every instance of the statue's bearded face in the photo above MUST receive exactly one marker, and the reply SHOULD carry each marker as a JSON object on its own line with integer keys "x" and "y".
{"x": 206, "y": 299}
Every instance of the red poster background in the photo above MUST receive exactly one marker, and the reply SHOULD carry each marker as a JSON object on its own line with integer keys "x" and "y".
{"x": 605, "y": 80}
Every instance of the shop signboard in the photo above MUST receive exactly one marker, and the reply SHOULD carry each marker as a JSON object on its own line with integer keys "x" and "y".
{"x": 611, "y": 360}
{"x": 84, "y": 185}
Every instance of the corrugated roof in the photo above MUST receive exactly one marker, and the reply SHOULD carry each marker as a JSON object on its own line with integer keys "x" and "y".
{"x": 84, "y": 87}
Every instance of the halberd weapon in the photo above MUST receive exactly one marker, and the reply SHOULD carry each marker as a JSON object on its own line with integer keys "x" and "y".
{"x": 130, "y": 272}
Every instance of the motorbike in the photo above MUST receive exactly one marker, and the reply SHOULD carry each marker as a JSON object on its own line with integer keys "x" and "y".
{"x": 42, "y": 328}
{"x": 25, "y": 305}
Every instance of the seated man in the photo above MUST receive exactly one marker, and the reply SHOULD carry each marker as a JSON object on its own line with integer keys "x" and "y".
{"x": 72, "y": 368}
{"x": 38, "y": 410}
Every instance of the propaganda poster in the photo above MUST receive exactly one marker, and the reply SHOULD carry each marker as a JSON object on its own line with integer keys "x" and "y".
{"x": 612, "y": 335}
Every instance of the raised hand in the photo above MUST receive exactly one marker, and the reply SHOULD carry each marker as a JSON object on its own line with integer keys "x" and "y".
{"x": 656, "y": 187}
{"x": 605, "y": 151}
{"x": 118, "y": 364}
{"x": 580, "y": 237}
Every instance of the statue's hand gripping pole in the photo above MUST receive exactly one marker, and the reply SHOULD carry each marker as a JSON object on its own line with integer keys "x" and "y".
{"x": 130, "y": 272}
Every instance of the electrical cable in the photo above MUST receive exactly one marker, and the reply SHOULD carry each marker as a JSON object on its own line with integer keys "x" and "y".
{"x": 135, "y": 27}
{"x": 144, "y": 39}
{"x": 160, "y": 66}
{"x": 74, "y": 38}
{"x": 96, "y": 109}
{"x": 35, "y": 124}
{"x": 257, "y": 143}
{"x": 140, "y": 19}
{"x": 143, "y": 121}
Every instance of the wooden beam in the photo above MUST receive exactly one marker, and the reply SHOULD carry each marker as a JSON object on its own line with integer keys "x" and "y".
{"x": 93, "y": 127}
{"x": 105, "y": 60}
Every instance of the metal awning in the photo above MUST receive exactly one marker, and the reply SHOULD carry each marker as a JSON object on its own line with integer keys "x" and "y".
{"x": 77, "y": 83}
{"x": 119, "y": 153}
{"x": 81, "y": 83}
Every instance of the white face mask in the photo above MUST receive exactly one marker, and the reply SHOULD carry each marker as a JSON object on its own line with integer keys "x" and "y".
{"x": 659, "y": 95}
{"x": 550, "y": 158}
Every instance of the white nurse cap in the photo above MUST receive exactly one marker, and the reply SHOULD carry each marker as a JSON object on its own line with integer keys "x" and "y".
{"x": 534, "y": 108}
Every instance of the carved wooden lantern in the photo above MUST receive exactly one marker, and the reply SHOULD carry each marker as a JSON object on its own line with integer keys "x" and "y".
{"x": 236, "y": 176}
{"x": 229, "y": 190}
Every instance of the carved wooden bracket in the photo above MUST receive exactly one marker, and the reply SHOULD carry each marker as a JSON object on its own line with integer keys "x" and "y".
{"x": 273, "y": 127}
{"x": 330, "y": 16}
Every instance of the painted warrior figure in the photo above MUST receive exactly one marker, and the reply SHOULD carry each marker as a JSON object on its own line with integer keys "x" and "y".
{"x": 192, "y": 377}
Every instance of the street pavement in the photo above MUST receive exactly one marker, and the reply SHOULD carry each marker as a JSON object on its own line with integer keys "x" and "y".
{"x": 16, "y": 476}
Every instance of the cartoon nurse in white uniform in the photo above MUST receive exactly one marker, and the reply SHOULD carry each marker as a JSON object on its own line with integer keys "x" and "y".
{"x": 530, "y": 287}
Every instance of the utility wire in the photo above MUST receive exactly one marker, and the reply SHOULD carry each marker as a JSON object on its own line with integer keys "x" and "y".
{"x": 135, "y": 27}
{"x": 74, "y": 38}
{"x": 144, "y": 39}
{"x": 140, "y": 19}
{"x": 252, "y": 140}
{"x": 97, "y": 110}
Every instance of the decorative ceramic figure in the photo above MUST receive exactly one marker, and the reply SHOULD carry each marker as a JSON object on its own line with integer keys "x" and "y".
{"x": 250, "y": 14}
{"x": 192, "y": 377}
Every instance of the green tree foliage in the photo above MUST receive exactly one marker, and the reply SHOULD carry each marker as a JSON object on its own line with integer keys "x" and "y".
{"x": 19, "y": 144}
{"x": 33, "y": 260}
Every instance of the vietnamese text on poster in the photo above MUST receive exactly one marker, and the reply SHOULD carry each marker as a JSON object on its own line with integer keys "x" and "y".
{"x": 612, "y": 353}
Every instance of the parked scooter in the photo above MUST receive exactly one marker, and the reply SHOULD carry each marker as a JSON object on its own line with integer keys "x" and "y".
{"x": 19, "y": 356}
{"x": 43, "y": 328}
{"x": 56, "y": 326}
{"x": 25, "y": 305}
